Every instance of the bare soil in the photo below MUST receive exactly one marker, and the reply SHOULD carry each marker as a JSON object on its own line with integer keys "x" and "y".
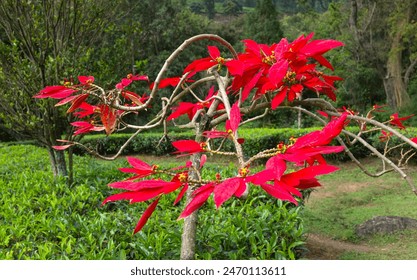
{"x": 324, "y": 248}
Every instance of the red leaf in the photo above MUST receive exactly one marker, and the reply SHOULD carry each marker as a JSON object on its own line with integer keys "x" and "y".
{"x": 56, "y": 92}
{"x": 134, "y": 97}
{"x": 85, "y": 80}
{"x": 63, "y": 147}
{"x": 235, "y": 67}
{"x": 138, "y": 164}
{"x": 320, "y": 46}
{"x": 293, "y": 179}
{"x": 278, "y": 71}
{"x": 225, "y": 190}
{"x": 213, "y": 51}
{"x": 181, "y": 194}
{"x": 278, "y": 192}
{"x": 187, "y": 146}
{"x": 76, "y": 103}
{"x": 203, "y": 160}
{"x": 182, "y": 109}
{"x": 145, "y": 184}
{"x": 278, "y": 98}
{"x": 235, "y": 117}
{"x": 250, "y": 85}
{"x": 241, "y": 190}
{"x": 108, "y": 118}
{"x": 199, "y": 65}
{"x": 200, "y": 197}
{"x": 66, "y": 100}
{"x": 136, "y": 196}
{"x": 148, "y": 212}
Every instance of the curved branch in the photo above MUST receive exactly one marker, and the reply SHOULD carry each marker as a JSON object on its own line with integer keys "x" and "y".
{"x": 169, "y": 61}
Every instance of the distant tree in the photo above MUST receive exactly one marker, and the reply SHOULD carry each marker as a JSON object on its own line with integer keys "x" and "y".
{"x": 42, "y": 42}
{"x": 210, "y": 7}
{"x": 384, "y": 33}
{"x": 232, "y": 7}
{"x": 263, "y": 23}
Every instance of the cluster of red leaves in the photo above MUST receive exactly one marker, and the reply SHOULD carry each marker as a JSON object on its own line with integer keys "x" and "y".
{"x": 100, "y": 117}
{"x": 284, "y": 69}
{"x": 274, "y": 179}
{"x": 394, "y": 121}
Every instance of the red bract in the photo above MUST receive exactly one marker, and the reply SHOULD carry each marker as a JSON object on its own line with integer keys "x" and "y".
{"x": 235, "y": 118}
{"x": 283, "y": 68}
{"x": 200, "y": 196}
{"x": 86, "y": 109}
{"x": 205, "y": 63}
{"x": 285, "y": 186}
{"x": 192, "y": 108}
{"x": 182, "y": 179}
{"x": 231, "y": 125}
{"x": 385, "y": 136}
{"x": 135, "y": 98}
{"x": 56, "y": 92}
{"x": 188, "y": 147}
{"x": 144, "y": 218}
{"x": 378, "y": 108}
{"x": 140, "y": 168}
{"x": 173, "y": 82}
{"x": 395, "y": 120}
{"x": 86, "y": 80}
{"x": 85, "y": 127}
{"x": 228, "y": 188}
{"x": 233, "y": 186}
{"x": 311, "y": 146}
{"x": 129, "y": 79}
{"x": 108, "y": 118}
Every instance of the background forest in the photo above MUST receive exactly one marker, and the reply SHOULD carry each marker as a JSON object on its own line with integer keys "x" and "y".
{"x": 45, "y": 42}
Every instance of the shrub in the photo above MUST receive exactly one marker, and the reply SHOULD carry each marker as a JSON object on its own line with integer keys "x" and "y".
{"x": 256, "y": 139}
{"x": 44, "y": 219}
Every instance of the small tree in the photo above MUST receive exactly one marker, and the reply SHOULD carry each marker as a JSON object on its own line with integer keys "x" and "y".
{"x": 232, "y": 87}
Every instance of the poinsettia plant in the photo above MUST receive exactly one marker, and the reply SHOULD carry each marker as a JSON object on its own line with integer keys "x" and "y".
{"x": 260, "y": 79}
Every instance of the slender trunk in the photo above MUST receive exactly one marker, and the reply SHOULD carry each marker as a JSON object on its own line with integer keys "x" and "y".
{"x": 189, "y": 231}
{"x": 58, "y": 164}
{"x": 389, "y": 90}
{"x": 70, "y": 166}
{"x": 52, "y": 160}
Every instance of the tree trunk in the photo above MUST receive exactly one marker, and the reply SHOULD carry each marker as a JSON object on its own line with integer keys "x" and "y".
{"x": 394, "y": 85}
{"x": 189, "y": 231}
{"x": 395, "y": 88}
{"x": 58, "y": 164}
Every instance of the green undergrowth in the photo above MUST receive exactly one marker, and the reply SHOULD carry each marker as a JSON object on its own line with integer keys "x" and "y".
{"x": 42, "y": 218}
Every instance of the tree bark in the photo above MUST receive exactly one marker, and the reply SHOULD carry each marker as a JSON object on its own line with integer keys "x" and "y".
{"x": 394, "y": 85}
{"x": 58, "y": 164}
{"x": 189, "y": 232}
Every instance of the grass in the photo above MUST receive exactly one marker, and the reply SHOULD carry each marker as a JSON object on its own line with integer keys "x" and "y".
{"x": 350, "y": 197}
{"x": 43, "y": 218}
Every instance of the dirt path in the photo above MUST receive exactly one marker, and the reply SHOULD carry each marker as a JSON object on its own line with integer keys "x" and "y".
{"x": 323, "y": 248}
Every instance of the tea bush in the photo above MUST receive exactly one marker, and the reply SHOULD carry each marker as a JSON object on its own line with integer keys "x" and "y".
{"x": 256, "y": 139}
{"x": 43, "y": 218}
